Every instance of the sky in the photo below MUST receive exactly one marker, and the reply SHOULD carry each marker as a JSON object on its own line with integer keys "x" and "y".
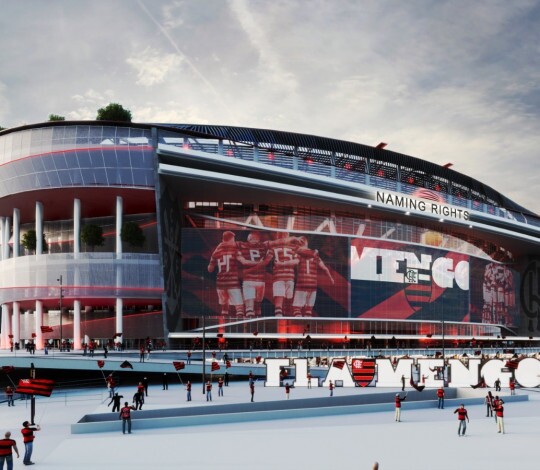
{"x": 446, "y": 81}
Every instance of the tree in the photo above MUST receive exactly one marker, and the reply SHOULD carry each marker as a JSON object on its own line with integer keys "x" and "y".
{"x": 132, "y": 234}
{"x": 92, "y": 235}
{"x": 29, "y": 241}
{"x": 2, "y": 128}
{"x": 114, "y": 112}
{"x": 56, "y": 117}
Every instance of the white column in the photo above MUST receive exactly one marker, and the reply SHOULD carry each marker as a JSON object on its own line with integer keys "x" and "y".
{"x": 16, "y": 322}
{"x": 16, "y": 232}
{"x": 38, "y": 323}
{"x": 5, "y": 330}
{"x": 119, "y": 302}
{"x": 39, "y": 228}
{"x": 2, "y": 228}
{"x": 5, "y": 237}
{"x": 76, "y": 225}
{"x": 77, "y": 324}
{"x": 119, "y": 215}
{"x": 119, "y": 316}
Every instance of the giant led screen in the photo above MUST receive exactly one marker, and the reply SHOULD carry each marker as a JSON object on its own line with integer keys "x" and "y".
{"x": 253, "y": 273}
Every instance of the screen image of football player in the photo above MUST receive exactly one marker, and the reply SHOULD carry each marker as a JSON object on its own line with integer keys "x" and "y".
{"x": 305, "y": 294}
{"x": 283, "y": 250}
{"x": 228, "y": 276}
{"x": 254, "y": 256}
{"x": 499, "y": 294}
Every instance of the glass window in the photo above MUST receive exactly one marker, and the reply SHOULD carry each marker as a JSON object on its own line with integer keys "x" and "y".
{"x": 59, "y": 161}
{"x": 83, "y": 133}
{"x": 65, "y": 177}
{"x": 97, "y": 159}
{"x": 101, "y": 176}
{"x": 54, "y": 179}
{"x": 88, "y": 176}
{"x": 37, "y": 163}
{"x": 84, "y": 159}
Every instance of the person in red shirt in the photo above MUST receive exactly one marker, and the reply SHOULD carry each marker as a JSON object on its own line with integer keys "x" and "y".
{"x": 512, "y": 385}
{"x": 398, "y": 401}
{"x": 440, "y": 396}
{"x": 125, "y": 416}
{"x": 9, "y": 395}
{"x": 220, "y": 387}
{"x": 228, "y": 288}
{"x": 208, "y": 391}
{"x": 309, "y": 380}
{"x": 462, "y": 416}
{"x": 499, "y": 413}
{"x": 7, "y": 445}
{"x": 188, "y": 390}
{"x": 28, "y": 439}
{"x": 287, "y": 390}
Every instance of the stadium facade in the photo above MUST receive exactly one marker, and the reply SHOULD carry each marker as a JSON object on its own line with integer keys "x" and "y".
{"x": 256, "y": 236}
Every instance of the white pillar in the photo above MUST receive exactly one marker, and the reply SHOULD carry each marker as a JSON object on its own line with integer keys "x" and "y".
{"x": 6, "y": 329}
{"x": 16, "y": 232}
{"x": 38, "y": 323}
{"x": 2, "y": 228}
{"x": 39, "y": 228}
{"x": 5, "y": 237}
{"x": 119, "y": 316}
{"x": 76, "y": 225}
{"x": 16, "y": 322}
{"x": 119, "y": 215}
{"x": 77, "y": 324}
{"x": 119, "y": 282}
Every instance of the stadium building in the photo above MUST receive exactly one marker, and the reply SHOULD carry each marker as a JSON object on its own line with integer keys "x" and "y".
{"x": 256, "y": 237}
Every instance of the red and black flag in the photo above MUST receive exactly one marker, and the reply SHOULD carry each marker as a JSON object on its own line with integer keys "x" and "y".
{"x": 8, "y": 369}
{"x": 215, "y": 366}
{"x": 42, "y": 387}
{"x": 338, "y": 364}
{"x": 179, "y": 365}
{"x": 47, "y": 329}
{"x": 480, "y": 384}
{"x": 126, "y": 365}
{"x": 100, "y": 364}
{"x": 255, "y": 333}
{"x": 227, "y": 364}
{"x": 416, "y": 386}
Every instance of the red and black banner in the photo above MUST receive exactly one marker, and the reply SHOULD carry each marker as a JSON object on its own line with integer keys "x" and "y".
{"x": 47, "y": 329}
{"x": 179, "y": 365}
{"x": 42, "y": 387}
{"x": 215, "y": 366}
{"x": 100, "y": 364}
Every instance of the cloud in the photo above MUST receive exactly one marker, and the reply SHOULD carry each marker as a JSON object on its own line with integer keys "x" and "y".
{"x": 152, "y": 67}
{"x": 4, "y": 105}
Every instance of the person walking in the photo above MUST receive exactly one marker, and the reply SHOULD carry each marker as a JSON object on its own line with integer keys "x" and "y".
{"x": 220, "y": 387}
{"x": 498, "y": 385}
{"x": 331, "y": 388}
{"x": 252, "y": 390}
{"x": 165, "y": 381}
{"x": 287, "y": 390}
{"x": 145, "y": 385}
{"x": 402, "y": 383}
{"x": 138, "y": 400}
{"x": 141, "y": 354}
{"x": 9, "y": 396}
{"x": 489, "y": 404}
{"x": 440, "y": 396}
{"x": 28, "y": 438}
{"x": 208, "y": 391}
{"x": 117, "y": 401}
{"x": 226, "y": 379}
{"x": 512, "y": 386}
{"x": 188, "y": 390}
{"x": 188, "y": 358}
{"x": 462, "y": 416}
{"x": 125, "y": 416}
{"x": 309, "y": 380}
{"x": 7, "y": 446}
{"x": 497, "y": 402}
{"x": 499, "y": 413}
{"x": 398, "y": 401}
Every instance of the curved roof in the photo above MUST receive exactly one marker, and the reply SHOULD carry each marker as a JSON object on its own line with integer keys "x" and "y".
{"x": 320, "y": 149}
{"x": 275, "y": 139}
